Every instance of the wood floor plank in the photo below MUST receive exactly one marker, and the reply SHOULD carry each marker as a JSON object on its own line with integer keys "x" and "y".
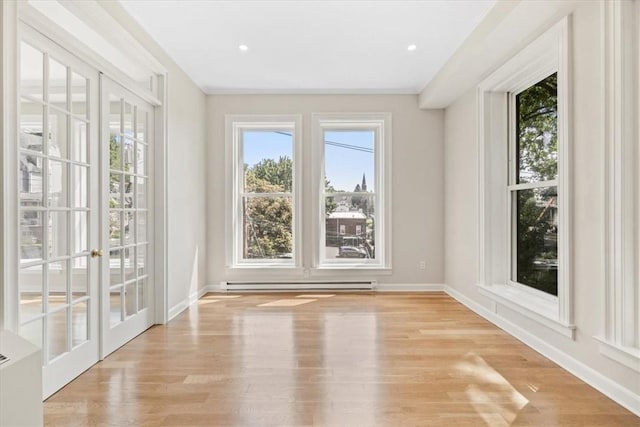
{"x": 359, "y": 359}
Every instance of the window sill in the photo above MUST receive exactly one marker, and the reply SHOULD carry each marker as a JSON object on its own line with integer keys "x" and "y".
{"x": 537, "y": 308}
{"x": 279, "y": 271}
{"x": 627, "y": 356}
{"x": 264, "y": 265}
{"x": 259, "y": 268}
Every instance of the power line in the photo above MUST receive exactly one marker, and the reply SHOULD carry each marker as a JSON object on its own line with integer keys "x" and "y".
{"x": 337, "y": 144}
{"x": 349, "y": 146}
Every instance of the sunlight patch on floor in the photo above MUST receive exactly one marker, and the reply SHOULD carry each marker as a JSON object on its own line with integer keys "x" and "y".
{"x": 492, "y": 396}
{"x": 207, "y": 301}
{"x": 218, "y": 296}
{"x": 117, "y": 364}
{"x": 456, "y": 332}
{"x": 204, "y": 379}
{"x": 316, "y": 296}
{"x": 286, "y": 302}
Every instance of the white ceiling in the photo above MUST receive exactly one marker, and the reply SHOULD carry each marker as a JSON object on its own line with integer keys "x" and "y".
{"x": 304, "y": 46}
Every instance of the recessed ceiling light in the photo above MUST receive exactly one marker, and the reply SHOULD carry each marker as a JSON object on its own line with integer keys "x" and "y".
{"x": 412, "y": 47}
{"x": 243, "y": 47}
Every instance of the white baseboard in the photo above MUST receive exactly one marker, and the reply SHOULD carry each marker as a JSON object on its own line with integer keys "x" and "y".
{"x": 410, "y": 287}
{"x": 595, "y": 379}
{"x": 215, "y": 288}
{"x": 184, "y": 304}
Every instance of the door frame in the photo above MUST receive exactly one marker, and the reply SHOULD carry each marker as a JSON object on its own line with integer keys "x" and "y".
{"x": 12, "y": 15}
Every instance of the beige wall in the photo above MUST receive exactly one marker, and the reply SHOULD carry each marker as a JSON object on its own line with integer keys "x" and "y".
{"x": 186, "y": 176}
{"x": 461, "y": 188}
{"x": 461, "y": 210}
{"x": 417, "y": 176}
{"x": 186, "y": 171}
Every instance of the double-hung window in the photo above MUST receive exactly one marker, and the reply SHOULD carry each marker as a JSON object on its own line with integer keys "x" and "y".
{"x": 525, "y": 186}
{"x": 348, "y": 170}
{"x": 352, "y": 161}
{"x": 533, "y": 187}
{"x": 264, "y": 214}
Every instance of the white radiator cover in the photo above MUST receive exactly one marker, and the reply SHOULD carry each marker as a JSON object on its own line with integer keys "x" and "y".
{"x": 20, "y": 382}
{"x": 360, "y": 285}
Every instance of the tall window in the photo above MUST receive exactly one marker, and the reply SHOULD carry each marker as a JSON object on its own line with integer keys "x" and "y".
{"x": 524, "y": 188}
{"x": 353, "y": 176}
{"x": 534, "y": 186}
{"x": 264, "y": 191}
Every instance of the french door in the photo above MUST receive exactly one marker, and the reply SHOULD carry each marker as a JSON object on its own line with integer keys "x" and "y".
{"x": 85, "y": 192}
{"x": 58, "y": 207}
{"x": 127, "y": 147}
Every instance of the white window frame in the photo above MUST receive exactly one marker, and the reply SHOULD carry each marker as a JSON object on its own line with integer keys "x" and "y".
{"x": 546, "y": 55}
{"x": 235, "y": 126}
{"x": 512, "y": 190}
{"x": 619, "y": 338}
{"x": 380, "y": 124}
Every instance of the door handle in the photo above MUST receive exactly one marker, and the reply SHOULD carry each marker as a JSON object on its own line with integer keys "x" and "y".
{"x": 96, "y": 253}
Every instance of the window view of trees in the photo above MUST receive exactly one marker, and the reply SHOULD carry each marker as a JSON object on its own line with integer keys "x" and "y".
{"x": 121, "y": 192}
{"x": 536, "y": 221}
{"x": 265, "y": 223}
{"x": 268, "y": 231}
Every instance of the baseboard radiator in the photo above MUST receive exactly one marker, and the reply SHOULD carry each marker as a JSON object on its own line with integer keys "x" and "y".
{"x": 299, "y": 286}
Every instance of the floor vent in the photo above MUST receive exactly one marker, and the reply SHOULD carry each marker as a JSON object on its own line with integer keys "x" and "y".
{"x": 299, "y": 286}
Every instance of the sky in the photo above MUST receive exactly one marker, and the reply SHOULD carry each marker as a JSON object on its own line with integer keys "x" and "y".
{"x": 344, "y": 166}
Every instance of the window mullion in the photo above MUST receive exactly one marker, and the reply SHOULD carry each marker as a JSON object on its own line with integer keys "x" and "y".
{"x": 272, "y": 195}
{"x": 348, "y": 193}
{"x": 533, "y": 185}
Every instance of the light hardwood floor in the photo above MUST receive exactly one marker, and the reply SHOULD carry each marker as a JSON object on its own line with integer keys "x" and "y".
{"x": 320, "y": 360}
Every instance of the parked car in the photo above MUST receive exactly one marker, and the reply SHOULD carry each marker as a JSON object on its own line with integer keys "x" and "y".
{"x": 288, "y": 255}
{"x": 351, "y": 252}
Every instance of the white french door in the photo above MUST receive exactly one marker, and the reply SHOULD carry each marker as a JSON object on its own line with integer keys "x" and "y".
{"x": 58, "y": 208}
{"x": 127, "y": 147}
{"x": 84, "y": 210}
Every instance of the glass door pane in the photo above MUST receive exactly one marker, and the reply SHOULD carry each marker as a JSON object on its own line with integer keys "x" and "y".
{"x": 127, "y": 144}
{"x": 58, "y": 208}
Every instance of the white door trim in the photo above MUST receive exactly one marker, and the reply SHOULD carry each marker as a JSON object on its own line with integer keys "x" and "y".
{"x": 8, "y": 178}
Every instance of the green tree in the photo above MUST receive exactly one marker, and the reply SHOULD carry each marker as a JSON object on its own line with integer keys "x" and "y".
{"x": 537, "y": 113}
{"x": 537, "y": 126}
{"x": 277, "y": 172}
{"x": 115, "y": 157}
{"x": 330, "y": 204}
{"x": 537, "y": 240}
{"x": 268, "y": 221}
